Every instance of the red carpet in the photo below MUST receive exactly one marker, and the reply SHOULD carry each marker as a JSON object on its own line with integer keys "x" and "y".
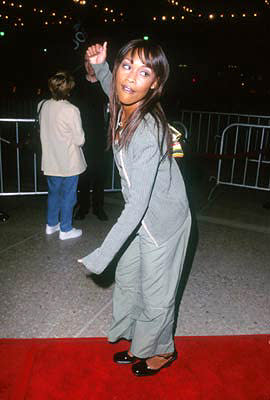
{"x": 208, "y": 368}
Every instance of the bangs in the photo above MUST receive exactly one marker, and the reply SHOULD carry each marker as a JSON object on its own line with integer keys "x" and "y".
{"x": 144, "y": 55}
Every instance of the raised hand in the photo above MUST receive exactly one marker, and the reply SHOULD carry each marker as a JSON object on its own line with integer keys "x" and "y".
{"x": 97, "y": 53}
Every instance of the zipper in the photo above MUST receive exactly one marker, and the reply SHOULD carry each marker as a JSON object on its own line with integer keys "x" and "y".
{"x": 129, "y": 184}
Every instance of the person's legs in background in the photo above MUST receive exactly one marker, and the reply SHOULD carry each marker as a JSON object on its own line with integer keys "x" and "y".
{"x": 62, "y": 196}
{"x": 68, "y": 201}
{"x": 93, "y": 178}
{"x": 53, "y": 203}
{"x": 83, "y": 204}
{"x": 97, "y": 177}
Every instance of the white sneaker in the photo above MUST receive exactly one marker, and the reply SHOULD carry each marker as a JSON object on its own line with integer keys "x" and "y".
{"x": 52, "y": 229}
{"x": 74, "y": 233}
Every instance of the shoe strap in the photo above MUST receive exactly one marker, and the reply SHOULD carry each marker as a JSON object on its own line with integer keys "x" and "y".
{"x": 165, "y": 357}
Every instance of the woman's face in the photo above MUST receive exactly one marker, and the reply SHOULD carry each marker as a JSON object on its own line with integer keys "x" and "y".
{"x": 133, "y": 81}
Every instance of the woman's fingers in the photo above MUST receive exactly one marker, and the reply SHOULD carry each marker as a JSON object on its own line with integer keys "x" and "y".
{"x": 93, "y": 51}
{"x": 97, "y": 53}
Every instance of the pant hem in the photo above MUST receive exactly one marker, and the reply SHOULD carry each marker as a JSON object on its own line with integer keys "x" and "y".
{"x": 162, "y": 349}
{"x": 114, "y": 340}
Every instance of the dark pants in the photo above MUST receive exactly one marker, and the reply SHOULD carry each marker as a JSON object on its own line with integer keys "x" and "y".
{"x": 92, "y": 179}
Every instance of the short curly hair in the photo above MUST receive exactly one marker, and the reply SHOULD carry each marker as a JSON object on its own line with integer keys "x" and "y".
{"x": 61, "y": 84}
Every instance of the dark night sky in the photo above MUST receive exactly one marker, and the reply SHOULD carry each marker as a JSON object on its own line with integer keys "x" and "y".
{"x": 139, "y": 11}
{"x": 203, "y": 44}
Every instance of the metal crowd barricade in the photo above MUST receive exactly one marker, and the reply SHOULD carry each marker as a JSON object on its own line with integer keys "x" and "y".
{"x": 205, "y": 128}
{"x": 244, "y": 157}
{"x": 15, "y": 163}
{"x": 207, "y": 133}
{"x": 12, "y": 142}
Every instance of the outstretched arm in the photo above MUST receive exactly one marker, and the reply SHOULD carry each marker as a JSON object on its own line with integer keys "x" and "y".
{"x": 145, "y": 161}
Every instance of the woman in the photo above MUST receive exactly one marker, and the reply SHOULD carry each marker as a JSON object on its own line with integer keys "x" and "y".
{"x": 155, "y": 223}
{"x": 61, "y": 137}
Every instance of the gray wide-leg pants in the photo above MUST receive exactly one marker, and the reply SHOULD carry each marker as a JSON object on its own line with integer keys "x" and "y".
{"x": 146, "y": 282}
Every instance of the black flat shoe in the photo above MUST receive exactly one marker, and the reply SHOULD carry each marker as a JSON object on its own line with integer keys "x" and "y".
{"x": 80, "y": 215}
{"x": 267, "y": 205}
{"x": 124, "y": 358}
{"x": 3, "y": 216}
{"x": 142, "y": 369}
{"x": 102, "y": 216}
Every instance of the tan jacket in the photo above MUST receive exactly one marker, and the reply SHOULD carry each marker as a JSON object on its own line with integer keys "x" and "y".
{"x": 62, "y": 136}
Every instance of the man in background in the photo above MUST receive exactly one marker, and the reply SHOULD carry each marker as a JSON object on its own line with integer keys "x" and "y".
{"x": 92, "y": 102}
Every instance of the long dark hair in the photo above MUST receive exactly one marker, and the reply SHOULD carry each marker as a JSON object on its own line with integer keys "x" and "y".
{"x": 153, "y": 56}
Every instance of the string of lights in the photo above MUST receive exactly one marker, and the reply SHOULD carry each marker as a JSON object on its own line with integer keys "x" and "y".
{"x": 19, "y": 14}
{"x": 182, "y": 11}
